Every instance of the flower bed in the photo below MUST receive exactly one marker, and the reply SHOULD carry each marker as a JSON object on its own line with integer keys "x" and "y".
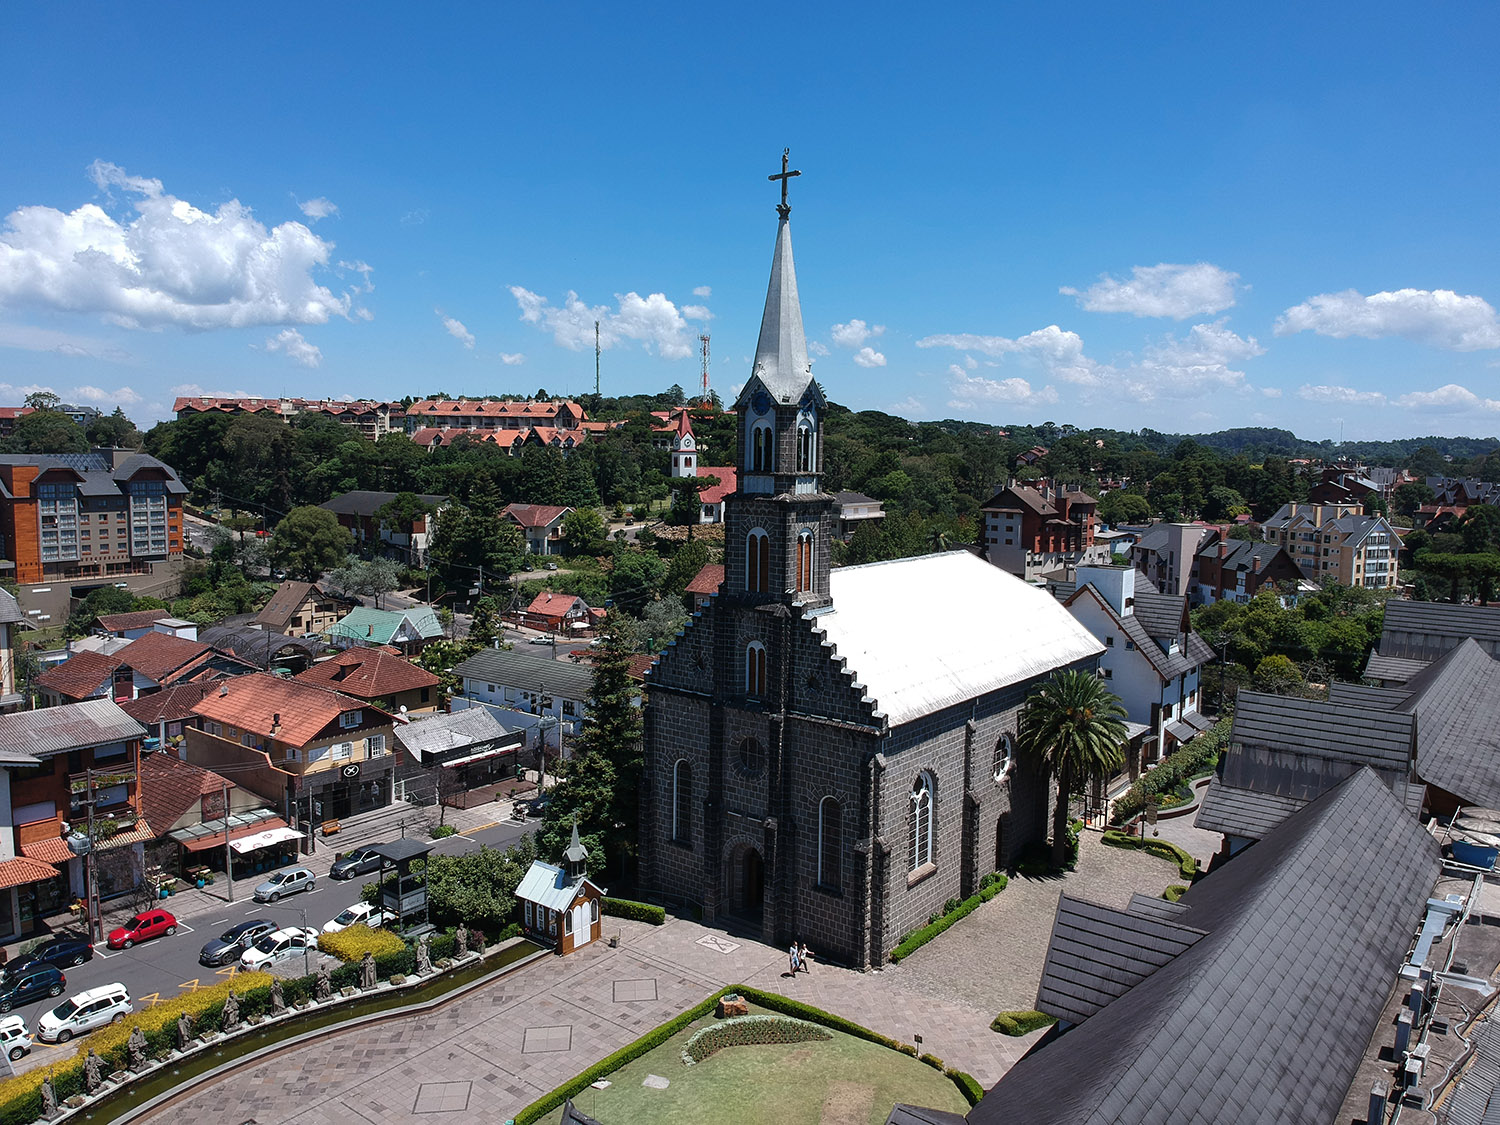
{"x": 743, "y": 1031}
{"x": 352, "y": 942}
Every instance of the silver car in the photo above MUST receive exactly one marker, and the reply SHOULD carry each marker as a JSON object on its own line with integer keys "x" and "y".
{"x": 287, "y": 881}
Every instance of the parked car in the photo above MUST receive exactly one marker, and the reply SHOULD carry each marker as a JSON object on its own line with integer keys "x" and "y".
{"x": 15, "y": 1040}
{"x": 227, "y": 947}
{"x": 64, "y": 951}
{"x": 540, "y": 641}
{"x": 361, "y": 861}
{"x": 278, "y": 946}
{"x": 146, "y": 925}
{"x": 30, "y": 982}
{"x": 538, "y": 805}
{"x": 360, "y": 914}
{"x": 287, "y": 881}
{"x": 78, "y": 1015}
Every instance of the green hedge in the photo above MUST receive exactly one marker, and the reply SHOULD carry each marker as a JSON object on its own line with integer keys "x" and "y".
{"x": 741, "y": 1031}
{"x": 637, "y": 911}
{"x": 918, "y": 938}
{"x": 1174, "y": 892}
{"x": 1197, "y": 758}
{"x": 967, "y": 1086}
{"x": 1021, "y": 1023}
{"x": 1187, "y": 866}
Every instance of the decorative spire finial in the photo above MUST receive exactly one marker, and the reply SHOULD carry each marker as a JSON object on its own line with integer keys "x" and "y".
{"x": 783, "y": 208}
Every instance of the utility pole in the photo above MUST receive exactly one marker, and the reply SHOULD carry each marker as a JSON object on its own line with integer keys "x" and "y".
{"x": 228, "y": 855}
{"x": 703, "y": 339}
{"x": 596, "y": 359}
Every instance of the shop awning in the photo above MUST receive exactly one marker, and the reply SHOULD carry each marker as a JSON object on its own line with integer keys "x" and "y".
{"x": 139, "y": 833}
{"x": 202, "y": 843}
{"x": 493, "y": 752}
{"x": 269, "y": 838}
{"x": 20, "y": 871}
{"x": 50, "y": 850}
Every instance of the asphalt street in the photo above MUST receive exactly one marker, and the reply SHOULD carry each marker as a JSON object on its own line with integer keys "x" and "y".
{"x": 159, "y": 969}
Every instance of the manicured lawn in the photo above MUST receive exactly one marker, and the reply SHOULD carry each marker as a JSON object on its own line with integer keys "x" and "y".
{"x": 838, "y": 1081}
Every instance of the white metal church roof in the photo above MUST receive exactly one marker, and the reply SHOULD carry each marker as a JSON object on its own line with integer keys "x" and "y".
{"x": 925, "y": 633}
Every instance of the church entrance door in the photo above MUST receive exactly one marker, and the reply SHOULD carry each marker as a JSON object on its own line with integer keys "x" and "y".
{"x": 755, "y": 882}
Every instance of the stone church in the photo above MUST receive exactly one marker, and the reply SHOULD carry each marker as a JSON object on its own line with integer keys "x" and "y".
{"x": 829, "y": 753}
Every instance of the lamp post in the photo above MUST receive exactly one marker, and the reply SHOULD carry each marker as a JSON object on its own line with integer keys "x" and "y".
{"x": 81, "y": 844}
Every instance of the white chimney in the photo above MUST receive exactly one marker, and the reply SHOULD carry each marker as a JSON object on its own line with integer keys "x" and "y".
{"x": 1116, "y": 585}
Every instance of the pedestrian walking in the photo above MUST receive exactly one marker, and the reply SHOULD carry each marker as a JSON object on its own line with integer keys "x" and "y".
{"x": 791, "y": 956}
{"x": 804, "y": 955}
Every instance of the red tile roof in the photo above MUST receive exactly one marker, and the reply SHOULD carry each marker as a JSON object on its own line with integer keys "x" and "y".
{"x": 169, "y": 706}
{"x": 49, "y": 850}
{"x": 549, "y": 604}
{"x": 171, "y": 787}
{"x": 728, "y": 482}
{"x": 368, "y": 673}
{"x": 158, "y": 655}
{"x": 140, "y": 619}
{"x": 79, "y": 676}
{"x": 708, "y": 580}
{"x": 253, "y": 701}
{"x": 534, "y": 515}
{"x": 20, "y": 871}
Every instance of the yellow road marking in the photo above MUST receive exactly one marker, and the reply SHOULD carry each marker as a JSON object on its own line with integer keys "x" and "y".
{"x": 152, "y": 999}
{"x": 227, "y": 972}
{"x": 191, "y": 985}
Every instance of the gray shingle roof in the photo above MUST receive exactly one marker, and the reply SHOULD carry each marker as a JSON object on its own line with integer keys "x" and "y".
{"x": 1307, "y": 728}
{"x": 1267, "y": 1017}
{"x": 1392, "y": 669}
{"x": 72, "y": 726}
{"x": 1426, "y": 630}
{"x": 1097, "y": 954}
{"x": 1363, "y": 695}
{"x": 1163, "y": 615}
{"x": 458, "y": 730}
{"x": 1456, "y": 701}
{"x": 1243, "y": 812}
{"x": 522, "y": 670}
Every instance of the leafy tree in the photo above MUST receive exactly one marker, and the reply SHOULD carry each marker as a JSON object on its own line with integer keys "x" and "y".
{"x": 686, "y": 562}
{"x": 103, "y": 602}
{"x": 485, "y": 626}
{"x": 440, "y": 657}
{"x": 1073, "y": 729}
{"x": 370, "y": 577}
{"x": 636, "y": 578}
{"x": 477, "y": 888}
{"x": 113, "y": 430}
{"x": 469, "y": 539}
{"x": 42, "y": 400}
{"x": 1480, "y": 527}
{"x": 1277, "y": 674}
{"x": 583, "y": 531}
{"x": 309, "y": 541}
{"x": 47, "y": 431}
{"x": 1409, "y": 497}
{"x": 1118, "y": 506}
{"x": 401, "y": 511}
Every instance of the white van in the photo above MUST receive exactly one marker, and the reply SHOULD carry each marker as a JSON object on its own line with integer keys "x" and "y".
{"x": 80, "y": 1014}
{"x": 15, "y": 1040}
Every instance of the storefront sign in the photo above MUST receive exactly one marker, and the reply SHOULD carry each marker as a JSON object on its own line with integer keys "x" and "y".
{"x": 350, "y": 770}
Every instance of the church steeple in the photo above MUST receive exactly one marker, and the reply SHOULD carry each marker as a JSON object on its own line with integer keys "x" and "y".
{"x": 781, "y": 353}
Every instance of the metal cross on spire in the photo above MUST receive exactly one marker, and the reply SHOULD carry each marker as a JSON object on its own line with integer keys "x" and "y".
{"x": 783, "y": 209}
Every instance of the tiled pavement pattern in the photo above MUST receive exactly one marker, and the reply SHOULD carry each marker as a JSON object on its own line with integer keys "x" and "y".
{"x": 516, "y": 1039}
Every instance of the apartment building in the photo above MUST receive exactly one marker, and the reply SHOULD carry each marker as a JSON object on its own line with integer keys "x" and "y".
{"x": 484, "y": 415}
{"x": 1337, "y": 543}
{"x": 370, "y": 419}
{"x": 1030, "y": 531}
{"x": 1167, "y": 554}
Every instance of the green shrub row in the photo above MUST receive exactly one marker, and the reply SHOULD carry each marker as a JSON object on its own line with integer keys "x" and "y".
{"x": 1021, "y": 1023}
{"x": 1197, "y": 758}
{"x": 1174, "y": 892}
{"x": 742, "y": 1031}
{"x": 918, "y": 938}
{"x": 636, "y": 911}
{"x": 611, "y": 1063}
{"x": 1187, "y": 866}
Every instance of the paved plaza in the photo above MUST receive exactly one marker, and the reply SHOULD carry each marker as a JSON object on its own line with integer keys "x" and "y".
{"x": 490, "y": 1053}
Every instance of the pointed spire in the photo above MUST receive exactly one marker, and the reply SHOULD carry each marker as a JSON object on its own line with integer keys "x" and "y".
{"x": 781, "y": 361}
{"x": 576, "y": 855}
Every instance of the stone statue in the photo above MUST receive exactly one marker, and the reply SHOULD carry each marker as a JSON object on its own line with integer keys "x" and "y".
{"x": 424, "y": 955}
{"x": 231, "y": 1019}
{"x": 367, "y": 971}
{"x": 136, "y": 1046}
{"x": 278, "y": 1001}
{"x": 324, "y": 987}
{"x": 49, "y": 1096}
{"x": 184, "y": 1031}
{"x": 461, "y": 938}
{"x": 93, "y": 1072}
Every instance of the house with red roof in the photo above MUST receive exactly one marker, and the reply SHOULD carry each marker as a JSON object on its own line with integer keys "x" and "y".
{"x": 541, "y": 524}
{"x": 151, "y": 662}
{"x": 560, "y": 613}
{"x": 377, "y": 675}
{"x": 705, "y": 584}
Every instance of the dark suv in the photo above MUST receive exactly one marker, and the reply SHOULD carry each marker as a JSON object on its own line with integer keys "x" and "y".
{"x": 29, "y": 982}
{"x": 361, "y": 861}
{"x": 63, "y": 951}
{"x": 227, "y": 947}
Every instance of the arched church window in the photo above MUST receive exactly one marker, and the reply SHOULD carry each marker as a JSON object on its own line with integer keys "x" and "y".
{"x": 758, "y": 562}
{"x": 682, "y": 801}
{"x": 762, "y": 448}
{"x": 830, "y": 843}
{"x": 804, "y": 560}
{"x": 920, "y": 825}
{"x": 751, "y": 757}
{"x": 1004, "y": 754}
{"x": 807, "y": 447}
{"x": 755, "y": 669}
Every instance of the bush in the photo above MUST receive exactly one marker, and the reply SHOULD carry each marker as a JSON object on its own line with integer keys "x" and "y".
{"x": 1021, "y": 1023}
{"x": 741, "y": 1031}
{"x": 351, "y": 943}
{"x": 970, "y": 1089}
{"x": 637, "y": 911}
{"x": 1197, "y": 758}
{"x": 1174, "y": 892}
{"x": 442, "y": 830}
{"x": 933, "y": 1061}
{"x": 1187, "y": 866}
{"x": 918, "y": 938}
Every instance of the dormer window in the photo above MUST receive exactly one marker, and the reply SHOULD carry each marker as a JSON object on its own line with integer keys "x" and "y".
{"x": 350, "y": 719}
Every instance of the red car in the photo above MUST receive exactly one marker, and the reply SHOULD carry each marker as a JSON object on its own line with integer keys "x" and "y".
{"x": 153, "y": 923}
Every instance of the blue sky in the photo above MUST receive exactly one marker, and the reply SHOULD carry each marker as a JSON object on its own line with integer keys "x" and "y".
{"x": 1184, "y": 216}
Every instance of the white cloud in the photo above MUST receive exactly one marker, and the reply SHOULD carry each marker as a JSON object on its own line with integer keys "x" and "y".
{"x": 319, "y": 208}
{"x": 1059, "y": 352}
{"x": 364, "y": 270}
{"x": 1439, "y": 317}
{"x": 416, "y": 217}
{"x": 908, "y": 407}
{"x": 172, "y": 264}
{"x": 855, "y": 333}
{"x": 1449, "y": 399}
{"x": 970, "y": 390}
{"x": 817, "y": 347}
{"x": 1271, "y": 392}
{"x": 1329, "y": 395}
{"x": 697, "y": 312}
{"x": 289, "y": 342}
{"x": 124, "y": 395}
{"x": 1178, "y": 291}
{"x": 1195, "y": 365}
{"x": 654, "y": 321}
{"x": 512, "y": 359}
{"x": 868, "y": 357}
{"x": 456, "y": 329}
{"x": 30, "y": 338}
{"x": 704, "y": 291}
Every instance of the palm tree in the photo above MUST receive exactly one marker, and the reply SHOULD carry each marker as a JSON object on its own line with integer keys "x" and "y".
{"x": 939, "y": 540}
{"x": 1072, "y": 729}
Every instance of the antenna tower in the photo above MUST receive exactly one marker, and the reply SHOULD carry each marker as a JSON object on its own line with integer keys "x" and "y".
{"x": 704, "y": 340}
{"x": 596, "y": 359}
